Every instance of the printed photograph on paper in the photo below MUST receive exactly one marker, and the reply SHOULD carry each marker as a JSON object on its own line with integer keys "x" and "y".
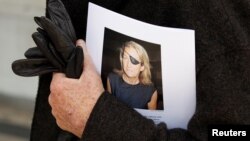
{"x": 147, "y": 67}
{"x": 131, "y": 70}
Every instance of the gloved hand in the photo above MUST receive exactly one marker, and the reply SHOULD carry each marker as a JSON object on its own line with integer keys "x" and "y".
{"x": 56, "y": 50}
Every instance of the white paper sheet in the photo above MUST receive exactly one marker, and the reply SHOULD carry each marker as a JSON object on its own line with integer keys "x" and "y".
{"x": 177, "y": 54}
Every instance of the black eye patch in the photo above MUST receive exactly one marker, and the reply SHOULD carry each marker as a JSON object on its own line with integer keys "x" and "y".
{"x": 133, "y": 60}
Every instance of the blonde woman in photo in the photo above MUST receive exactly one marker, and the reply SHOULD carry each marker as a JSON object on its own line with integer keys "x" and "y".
{"x": 132, "y": 84}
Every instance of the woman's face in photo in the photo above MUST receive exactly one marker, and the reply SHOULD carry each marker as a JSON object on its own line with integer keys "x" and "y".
{"x": 131, "y": 63}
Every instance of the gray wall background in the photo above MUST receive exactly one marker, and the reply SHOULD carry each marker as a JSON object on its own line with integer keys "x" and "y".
{"x": 16, "y": 27}
{"x": 17, "y": 94}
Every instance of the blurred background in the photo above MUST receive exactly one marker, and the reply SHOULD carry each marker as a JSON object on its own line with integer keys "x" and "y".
{"x": 17, "y": 94}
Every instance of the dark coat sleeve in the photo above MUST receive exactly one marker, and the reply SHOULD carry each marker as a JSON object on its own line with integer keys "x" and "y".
{"x": 111, "y": 120}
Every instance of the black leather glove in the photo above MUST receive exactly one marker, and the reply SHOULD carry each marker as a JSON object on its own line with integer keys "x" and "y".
{"x": 56, "y": 50}
{"x": 59, "y": 16}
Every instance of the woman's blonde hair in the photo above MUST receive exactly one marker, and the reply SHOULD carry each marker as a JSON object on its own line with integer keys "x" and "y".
{"x": 145, "y": 75}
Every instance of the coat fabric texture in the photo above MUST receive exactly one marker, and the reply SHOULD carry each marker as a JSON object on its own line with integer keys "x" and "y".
{"x": 222, "y": 40}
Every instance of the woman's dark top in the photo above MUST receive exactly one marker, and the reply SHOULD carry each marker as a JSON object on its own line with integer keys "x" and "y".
{"x": 135, "y": 96}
